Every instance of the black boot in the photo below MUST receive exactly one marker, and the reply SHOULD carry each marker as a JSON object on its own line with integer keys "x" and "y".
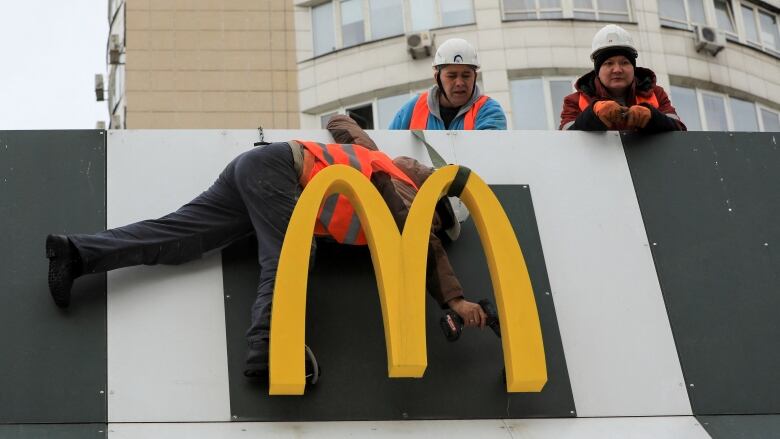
{"x": 257, "y": 359}
{"x": 64, "y": 266}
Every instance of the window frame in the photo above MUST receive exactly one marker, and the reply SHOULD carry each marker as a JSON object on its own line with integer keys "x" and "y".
{"x": 550, "y": 107}
{"x": 339, "y": 25}
{"x": 757, "y": 108}
{"x": 374, "y": 107}
{"x": 567, "y": 11}
{"x": 406, "y": 17}
{"x": 333, "y": 21}
{"x": 757, "y": 10}
{"x": 736, "y": 14}
{"x": 713, "y": 17}
{"x": 710, "y": 18}
{"x": 703, "y": 114}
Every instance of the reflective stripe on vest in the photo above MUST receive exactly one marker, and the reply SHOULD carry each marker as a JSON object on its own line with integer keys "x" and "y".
{"x": 652, "y": 101}
{"x": 421, "y": 112}
{"x": 337, "y": 218}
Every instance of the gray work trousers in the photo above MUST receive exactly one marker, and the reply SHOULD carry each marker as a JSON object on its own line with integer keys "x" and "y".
{"x": 256, "y": 192}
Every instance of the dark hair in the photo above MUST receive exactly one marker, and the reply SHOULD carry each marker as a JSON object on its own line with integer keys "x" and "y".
{"x": 605, "y": 54}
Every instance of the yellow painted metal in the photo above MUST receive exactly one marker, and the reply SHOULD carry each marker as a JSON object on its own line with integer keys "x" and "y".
{"x": 521, "y": 331}
{"x": 400, "y": 266}
{"x": 287, "y": 363}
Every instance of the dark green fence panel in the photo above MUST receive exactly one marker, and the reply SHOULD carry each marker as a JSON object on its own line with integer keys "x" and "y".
{"x": 53, "y": 361}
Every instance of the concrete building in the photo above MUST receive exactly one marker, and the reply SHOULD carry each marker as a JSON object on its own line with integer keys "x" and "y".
{"x": 352, "y": 55}
{"x": 202, "y": 64}
{"x": 293, "y": 63}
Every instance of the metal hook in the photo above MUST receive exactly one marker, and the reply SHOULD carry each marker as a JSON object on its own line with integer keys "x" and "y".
{"x": 261, "y": 134}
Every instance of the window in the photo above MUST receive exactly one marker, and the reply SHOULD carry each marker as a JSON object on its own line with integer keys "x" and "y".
{"x": 386, "y": 109}
{"x": 681, "y": 13}
{"x": 377, "y": 113}
{"x": 715, "y": 112}
{"x": 532, "y": 9}
{"x": 537, "y": 102}
{"x": 456, "y": 12}
{"x": 770, "y": 120}
{"x": 769, "y": 32}
{"x": 322, "y": 28}
{"x": 744, "y": 115}
{"x": 602, "y": 10}
{"x": 423, "y": 13}
{"x": 687, "y": 106}
{"x": 724, "y": 15}
{"x": 744, "y": 21}
{"x": 685, "y": 14}
{"x": 703, "y": 110}
{"x": 559, "y": 89}
{"x": 527, "y": 99}
{"x": 760, "y": 28}
{"x": 344, "y": 23}
{"x": 363, "y": 115}
{"x": 387, "y": 18}
{"x": 749, "y": 23}
{"x": 352, "y": 29}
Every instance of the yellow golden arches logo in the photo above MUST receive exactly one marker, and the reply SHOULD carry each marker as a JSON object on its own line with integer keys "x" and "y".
{"x": 399, "y": 264}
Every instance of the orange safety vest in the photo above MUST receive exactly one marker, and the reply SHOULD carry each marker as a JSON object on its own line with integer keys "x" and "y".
{"x": 652, "y": 100}
{"x": 421, "y": 111}
{"x": 337, "y": 218}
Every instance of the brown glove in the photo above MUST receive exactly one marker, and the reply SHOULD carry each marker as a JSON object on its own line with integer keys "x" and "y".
{"x": 610, "y": 112}
{"x": 638, "y": 116}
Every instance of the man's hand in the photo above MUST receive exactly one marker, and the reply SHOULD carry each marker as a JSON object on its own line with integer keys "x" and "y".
{"x": 638, "y": 116}
{"x": 472, "y": 314}
{"x": 610, "y": 112}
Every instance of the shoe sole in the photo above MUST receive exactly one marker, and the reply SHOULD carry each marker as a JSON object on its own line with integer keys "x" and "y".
{"x": 56, "y": 248}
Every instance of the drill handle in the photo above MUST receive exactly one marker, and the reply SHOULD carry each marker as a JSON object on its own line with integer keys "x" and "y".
{"x": 492, "y": 316}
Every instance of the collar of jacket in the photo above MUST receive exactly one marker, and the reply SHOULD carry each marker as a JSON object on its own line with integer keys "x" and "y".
{"x": 644, "y": 82}
{"x": 433, "y": 101}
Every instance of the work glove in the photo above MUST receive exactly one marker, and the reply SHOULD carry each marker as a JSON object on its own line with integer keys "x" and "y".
{"x": 610, "y": 112}
{"x": 638, "y": 116}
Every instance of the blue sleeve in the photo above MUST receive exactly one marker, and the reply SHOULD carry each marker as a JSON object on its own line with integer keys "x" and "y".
{"x": 403, "y": 118}
{"x": 491, "y": 116}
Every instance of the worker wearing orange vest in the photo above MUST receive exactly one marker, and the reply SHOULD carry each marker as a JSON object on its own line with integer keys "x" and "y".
{"x": 256, "y": 193}
{"x": 455, "y": 102}
{"x": 618, "y": 95}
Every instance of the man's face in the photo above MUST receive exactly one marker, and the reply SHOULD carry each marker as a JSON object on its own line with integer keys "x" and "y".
{"x": 616, "y": 74}
{"x": 458, "y": 83}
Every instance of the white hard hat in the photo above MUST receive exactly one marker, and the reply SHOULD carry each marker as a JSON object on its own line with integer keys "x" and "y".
{"x": 612, "y": 36}
{"x": 456, "y": 51}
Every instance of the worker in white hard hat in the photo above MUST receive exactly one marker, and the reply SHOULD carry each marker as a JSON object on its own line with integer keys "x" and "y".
{"x": 618, "y": 95}
{"x": 455, "y": 102}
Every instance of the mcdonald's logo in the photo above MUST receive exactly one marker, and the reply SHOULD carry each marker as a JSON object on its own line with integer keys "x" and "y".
{"x": 400, "y": 263}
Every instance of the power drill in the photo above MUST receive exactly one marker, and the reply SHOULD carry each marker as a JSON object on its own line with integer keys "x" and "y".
{"x": 452, "y": 324}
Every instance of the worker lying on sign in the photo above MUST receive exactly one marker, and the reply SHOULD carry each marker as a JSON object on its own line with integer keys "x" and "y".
{"x": 257, "y": 192}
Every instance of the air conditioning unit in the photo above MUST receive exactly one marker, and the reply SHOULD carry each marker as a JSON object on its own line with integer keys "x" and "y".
{"x": 99, "y": 88}
{"x": 710, "y": 39}
{"x": 114, "y": 49}
{"x": 419, "y": 44}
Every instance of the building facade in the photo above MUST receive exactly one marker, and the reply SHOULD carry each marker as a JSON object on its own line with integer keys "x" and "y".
{"x": 353, "y": 58}
{"x": 294, "y": 63}
{"x": 202, "y": 64}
